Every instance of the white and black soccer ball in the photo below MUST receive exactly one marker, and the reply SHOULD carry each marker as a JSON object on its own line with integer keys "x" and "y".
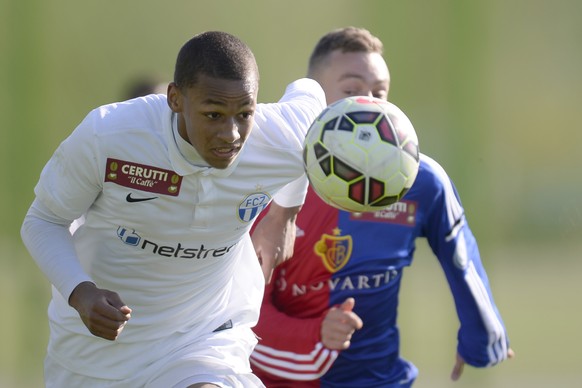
{"x": 361, "y": 154}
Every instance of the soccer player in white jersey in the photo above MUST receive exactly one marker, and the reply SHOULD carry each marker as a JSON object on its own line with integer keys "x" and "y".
{"x": 160, "y": 285}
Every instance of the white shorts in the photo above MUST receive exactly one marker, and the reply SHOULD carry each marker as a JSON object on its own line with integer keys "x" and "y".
{"x": 221, "y": 359}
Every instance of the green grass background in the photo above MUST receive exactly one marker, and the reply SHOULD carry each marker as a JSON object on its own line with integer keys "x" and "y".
{"x": 492, "y": 87}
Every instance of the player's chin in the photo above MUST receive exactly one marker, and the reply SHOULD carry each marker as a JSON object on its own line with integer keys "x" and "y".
{"x": 222, "y": 159}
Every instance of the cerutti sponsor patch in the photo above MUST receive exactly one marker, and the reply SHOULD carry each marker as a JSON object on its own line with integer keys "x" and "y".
{"x": 143, "y": 177}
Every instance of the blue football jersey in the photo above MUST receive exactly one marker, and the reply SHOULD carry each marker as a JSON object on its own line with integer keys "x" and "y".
{"x": 339, "y": 254}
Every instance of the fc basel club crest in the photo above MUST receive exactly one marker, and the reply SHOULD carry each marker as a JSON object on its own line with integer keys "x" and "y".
{"x": 335, "y": 251}
{"x": 252, "y": 205}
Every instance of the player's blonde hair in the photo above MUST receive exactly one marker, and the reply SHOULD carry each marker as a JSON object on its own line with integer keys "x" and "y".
{"x": 347, "y": 39}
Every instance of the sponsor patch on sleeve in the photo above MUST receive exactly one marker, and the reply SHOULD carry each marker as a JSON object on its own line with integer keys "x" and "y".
{"x": 143, "y": 177}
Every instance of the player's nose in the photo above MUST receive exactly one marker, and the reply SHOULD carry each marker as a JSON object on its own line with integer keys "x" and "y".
{"x": 230, "y": 132}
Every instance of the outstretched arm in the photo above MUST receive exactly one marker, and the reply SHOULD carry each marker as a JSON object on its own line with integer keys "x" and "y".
{"x": 274, "y": 237}
{"x": 482, "y": 337}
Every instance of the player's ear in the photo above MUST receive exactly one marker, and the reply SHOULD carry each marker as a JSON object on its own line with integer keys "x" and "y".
{"x": 174, "y": 97}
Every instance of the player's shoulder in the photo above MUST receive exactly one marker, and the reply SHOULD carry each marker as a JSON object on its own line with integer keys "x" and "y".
{"x": 138, "y": 114}
{"x": 431, "y": 166}
{"x": 283, "y": 124}
{"x": 431, "y": 173}
{"x": 305, "y": 86}
{"x": 298, "y": 95}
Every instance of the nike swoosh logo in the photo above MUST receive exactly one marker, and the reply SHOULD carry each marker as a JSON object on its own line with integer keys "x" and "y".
{"x": 130, "y": 199}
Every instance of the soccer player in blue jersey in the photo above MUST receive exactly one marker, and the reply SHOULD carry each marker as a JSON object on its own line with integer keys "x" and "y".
{"x": 329, "y": 314}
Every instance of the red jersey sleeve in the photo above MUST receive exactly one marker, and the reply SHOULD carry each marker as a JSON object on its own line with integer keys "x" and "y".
{"x": 289, "y": 347}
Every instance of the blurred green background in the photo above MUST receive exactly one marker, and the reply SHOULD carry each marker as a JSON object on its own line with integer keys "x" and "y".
{"x": 492, "y": 87}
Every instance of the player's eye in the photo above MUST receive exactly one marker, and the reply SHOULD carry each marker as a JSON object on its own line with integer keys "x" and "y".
{"x": 381, "y": 94}
{"x": 213, "y": 115}
{"x": 246, "y": 115}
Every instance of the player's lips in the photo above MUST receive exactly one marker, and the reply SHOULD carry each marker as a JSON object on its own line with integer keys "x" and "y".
{"x": 226, "y": 152}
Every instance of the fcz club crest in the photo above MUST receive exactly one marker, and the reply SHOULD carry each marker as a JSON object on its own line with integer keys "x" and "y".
{"x": 335, "y": 251}
{"x": 252, "y": 205}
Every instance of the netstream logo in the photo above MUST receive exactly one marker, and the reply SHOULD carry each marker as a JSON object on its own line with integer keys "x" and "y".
{"x": 130, "y": 237}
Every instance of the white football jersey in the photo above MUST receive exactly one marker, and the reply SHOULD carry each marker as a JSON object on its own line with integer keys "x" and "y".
{"x": 171, "y": 238}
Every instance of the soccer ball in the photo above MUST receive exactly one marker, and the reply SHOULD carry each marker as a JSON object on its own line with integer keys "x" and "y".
{"x": 361, "y": 154}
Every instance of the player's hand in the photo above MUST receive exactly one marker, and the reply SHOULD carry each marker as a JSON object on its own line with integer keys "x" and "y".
{"x": 339, "y": 324}
{"x": 460, "y": 365}
{"x": 458, "y": 368}
{"x": 102, "y": 311}
{"x": 274, "y": 237}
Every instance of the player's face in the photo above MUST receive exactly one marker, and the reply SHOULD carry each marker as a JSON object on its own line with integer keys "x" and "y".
{"x": 354, "y": 74}
{"x": 216, "y": 116}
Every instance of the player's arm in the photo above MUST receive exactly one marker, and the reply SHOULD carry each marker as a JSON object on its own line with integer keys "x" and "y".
{"x": 290, "y": 347}
{"x": 68, "y": 186}
{"x": 274, "y": 237}
{"x": 301, "y": 348}
{"x": 47, "y": 238}
{"x": 274, "y": 234}
{"x": 482, "y": 337}
{"x": 49, "y": 242}
{"x": 339, "y": 325}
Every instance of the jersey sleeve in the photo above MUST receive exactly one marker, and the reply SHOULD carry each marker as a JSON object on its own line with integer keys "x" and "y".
{"x": 47, "y": 238}
{"x": 293, "y": 193}
{"x": 284, "y": 124}
{"x": 281, "y": 127}
{"x": 482, "y": 338}
{"x": 289, "y": 348}
{"x": 71, "y": 180}
{"x": 68, "y": 185}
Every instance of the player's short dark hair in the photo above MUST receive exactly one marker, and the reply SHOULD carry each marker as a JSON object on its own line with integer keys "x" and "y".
{"x": 347, "y": 39}
{"x": 216, "y": 54}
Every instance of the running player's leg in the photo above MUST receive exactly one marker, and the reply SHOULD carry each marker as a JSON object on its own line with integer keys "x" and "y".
{"x": 216, "y": 360}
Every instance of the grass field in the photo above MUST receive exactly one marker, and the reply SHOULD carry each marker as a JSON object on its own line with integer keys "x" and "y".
{"x": 536, "y": 288}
